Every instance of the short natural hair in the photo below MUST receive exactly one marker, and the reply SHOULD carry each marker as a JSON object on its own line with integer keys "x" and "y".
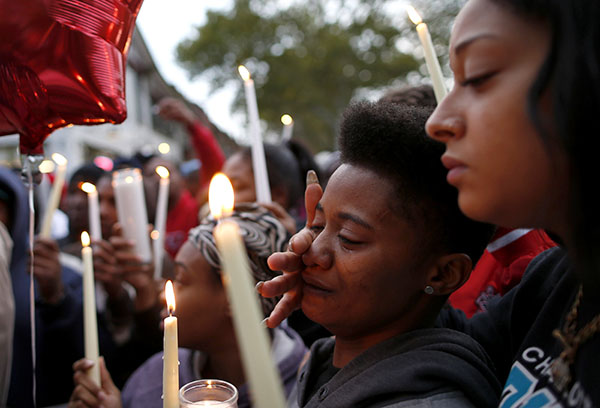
{"x": 389, "y": 139}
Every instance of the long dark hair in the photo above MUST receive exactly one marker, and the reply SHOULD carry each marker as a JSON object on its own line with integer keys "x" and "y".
{"x": 571, "y": 75}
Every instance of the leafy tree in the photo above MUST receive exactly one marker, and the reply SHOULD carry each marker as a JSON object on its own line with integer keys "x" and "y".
{"x": 308, "y": 59}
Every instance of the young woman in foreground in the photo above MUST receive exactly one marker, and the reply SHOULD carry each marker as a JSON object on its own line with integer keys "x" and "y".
{"x": 519, "y": 150}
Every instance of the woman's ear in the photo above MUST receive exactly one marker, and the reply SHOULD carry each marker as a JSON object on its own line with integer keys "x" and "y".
{"x": 449, "y": 273}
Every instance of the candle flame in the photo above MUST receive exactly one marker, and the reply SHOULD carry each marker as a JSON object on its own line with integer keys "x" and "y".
{"x": 244, "y": 73}
{"x": 88, "y": 187}
{"x": 85, "y": 239}
{"x": 220, "y": 196}
{"x": 59, "y": 159}
{"x": 170, "y": 296}
{"x": 287, "y": 120}
{"x": 164, "y": 148}
{"x": 46, "y": 166}
{"x": 128, "y": 179}
{"x": 413, "y": 15}
{"x": 155, "y": 234}
{"x": 162, "y": 171}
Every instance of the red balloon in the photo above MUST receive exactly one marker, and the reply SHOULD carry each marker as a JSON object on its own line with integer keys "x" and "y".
{"x": 62, "y": 62}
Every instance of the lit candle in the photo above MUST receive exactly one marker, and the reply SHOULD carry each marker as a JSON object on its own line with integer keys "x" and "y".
{"x": 433, "y": 65}
{"x": 265, "y": 384}
{"x": 288, "y": 127}
{"x": 131, "y": 210}
{"x": 93, "y": 210}
{"x": 90, "y": 326}
{"x": 170, "y": 356}
{"x": 55, "y": 194}
{"x": 158, "y": 235}
{"x": 259, "y": 165}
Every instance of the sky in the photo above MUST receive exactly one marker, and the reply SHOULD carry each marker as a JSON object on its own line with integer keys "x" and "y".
{"x": 163, "y": 24}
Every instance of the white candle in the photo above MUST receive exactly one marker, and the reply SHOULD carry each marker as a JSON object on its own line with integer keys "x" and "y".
{"x": 170, "y": 356}
{"x": 131, "y": 210}
{"x": 288, "y": 127}
{"x": 265, "y": 383}
{"x": 90, "y": 326}
{"x": 259, "y": 164}
{"x": 158, "y": 235}
{"x": 93, "y": 210}
{"x": 433, "y": 65}
{"x": 55, "y": 194}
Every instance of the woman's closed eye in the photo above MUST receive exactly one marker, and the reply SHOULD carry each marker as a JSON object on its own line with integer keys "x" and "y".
{"x": 478, "y": 80}
{"x": 348, "y": 242}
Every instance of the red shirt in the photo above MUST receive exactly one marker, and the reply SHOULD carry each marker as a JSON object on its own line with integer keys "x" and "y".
{"x": 180, "y": 219}
{"x": 500, "y": 267}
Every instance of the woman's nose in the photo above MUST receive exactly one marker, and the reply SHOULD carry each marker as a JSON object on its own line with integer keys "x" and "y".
{"x": 443, "y": 126}
{"x": 319, "y": 253}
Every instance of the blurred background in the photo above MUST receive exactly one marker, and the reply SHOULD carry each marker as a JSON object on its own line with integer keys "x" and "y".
{"x": 308, "y": 58}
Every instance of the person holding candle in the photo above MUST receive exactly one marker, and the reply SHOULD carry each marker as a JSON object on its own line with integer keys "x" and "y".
{"x": 58, "y": 310}
{"x": 75, "y": 205}
{"x": 182, "y": 208}
{"x": 209, "y": 348}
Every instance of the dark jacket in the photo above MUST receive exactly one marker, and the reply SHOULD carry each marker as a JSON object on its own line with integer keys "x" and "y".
{"x": 517, "y": 334}
{"x": 429, "y": 367}
{"x": 59, "y": 328}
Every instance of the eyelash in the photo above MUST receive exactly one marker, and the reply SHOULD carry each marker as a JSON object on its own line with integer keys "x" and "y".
{"x": 318, "y": 228}
{"x": 348, "y": 241}
{"x": 477, "y": 81}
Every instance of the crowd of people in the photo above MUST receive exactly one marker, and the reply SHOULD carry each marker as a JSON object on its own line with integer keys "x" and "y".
{"x": 448, "y": 259}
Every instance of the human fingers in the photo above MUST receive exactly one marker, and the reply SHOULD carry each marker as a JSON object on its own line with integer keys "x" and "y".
{"x": 312, "y": 196}
{"x": 83, "y": 398}
{"x": 285, "y": 261}
{"x": 278, "y": 285}
{"x": 105, "y": 378}
{"x": 284, "y": 308}
{"x": 86, "y": 390}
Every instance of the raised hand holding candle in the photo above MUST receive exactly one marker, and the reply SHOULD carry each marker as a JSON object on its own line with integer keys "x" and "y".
{"x": 93, "y": 210}
{"x": 259, "y": 164}
{"x": 131, "y": 210}
{"x": 433, "y": 65}
{"x": 265, "y": 384}
{"x": 158, "y": 235}
{"x": 55, "y": 193}
{"x": 288, "y": 127}
{"x": 90, "y": 325}
{"x": 170, "y": 353}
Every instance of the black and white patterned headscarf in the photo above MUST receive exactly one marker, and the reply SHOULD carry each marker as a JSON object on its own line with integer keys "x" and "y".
{"x": 263, "y": 235}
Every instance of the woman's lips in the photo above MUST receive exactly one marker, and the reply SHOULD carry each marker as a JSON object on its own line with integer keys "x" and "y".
{"x": 455, "y": 168}
{"x": 314, "y": 284}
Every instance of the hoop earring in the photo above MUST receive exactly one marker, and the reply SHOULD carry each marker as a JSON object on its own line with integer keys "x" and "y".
{"x": 428, "y": 290}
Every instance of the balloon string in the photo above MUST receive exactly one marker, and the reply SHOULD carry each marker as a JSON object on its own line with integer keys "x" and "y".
{"x": 31, "y": 281}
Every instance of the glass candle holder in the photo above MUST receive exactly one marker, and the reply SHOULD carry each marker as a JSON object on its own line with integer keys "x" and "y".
{"x": 208, "y": 393}
{"x": 131, "y": 210}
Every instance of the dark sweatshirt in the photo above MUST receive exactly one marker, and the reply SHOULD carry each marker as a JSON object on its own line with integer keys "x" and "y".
{"x": 517, "y": 334}
{"x": 422, "y": 368}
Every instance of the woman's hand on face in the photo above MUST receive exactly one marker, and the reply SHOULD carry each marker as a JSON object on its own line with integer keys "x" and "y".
{"x": 47, "y": 269}
{"x": 87, "y": 394}
{"x": 289, "y": 285}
